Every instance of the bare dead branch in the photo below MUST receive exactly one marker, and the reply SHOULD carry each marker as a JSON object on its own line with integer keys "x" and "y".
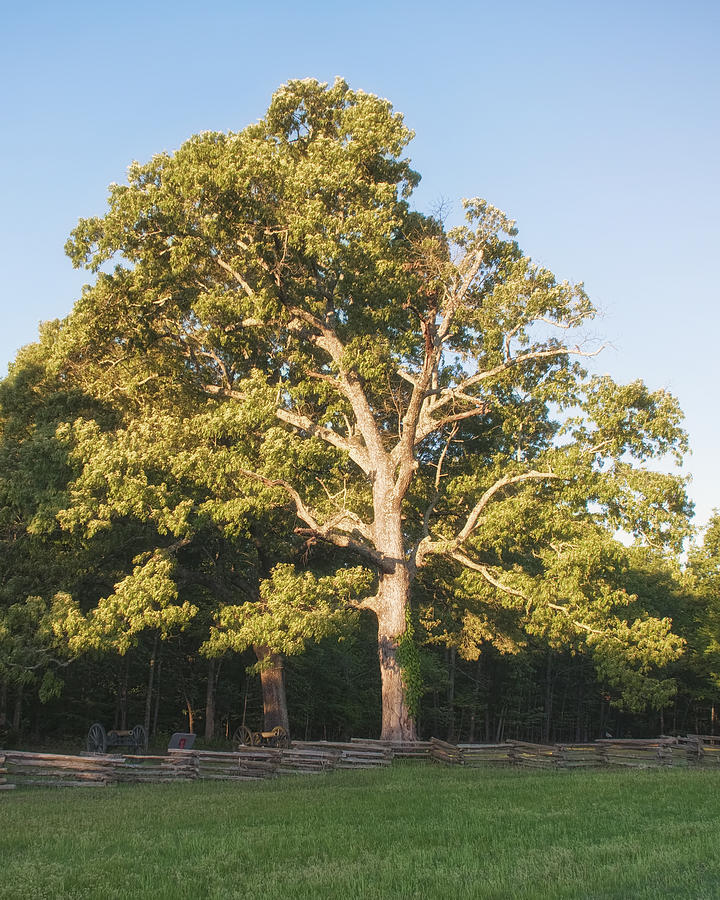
{"x": 322, "y": 532}
{"x": 525, "y": 357}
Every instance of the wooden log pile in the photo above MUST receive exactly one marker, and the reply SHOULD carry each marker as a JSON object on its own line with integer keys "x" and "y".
{"x": 709, "y": 750}
{"x": 469, "y": 754}
{"x": 246, "y": 764}
{"x": 702, "y": 749}
{"x": 710, "y": 739}
{"x": 4, "y": 786}
{"x": 213, "y": 765}
{"x": 693, "y": 749}
{"x": 259, "y": 762}
{"x": 637, "y": 753}
{"x": 534, "y": 756}
{"x": 313, "y": 757}
{"x": 709, "y": 755}
{"x": 308, "y": 760}
{"x": 579, "y": 756}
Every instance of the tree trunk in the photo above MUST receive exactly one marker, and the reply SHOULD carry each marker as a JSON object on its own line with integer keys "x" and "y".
{"x": 547, "y": 713}
{"x": 475, "y": 696}
{"x": 121, "y": 705}
{"x": 272, "y": 680}
{"x": 390, "y": 605}
{"x": 210, "y": 702}
{"x": 580, "y": 706}
{"x": 450, "y": 660}
{"x": 149, "y": 694}
{"x": 156, "y": 711}
{"x": 3, "y": 703}
{"x": 190, "y": 713}
{"x": 17, "y": 711}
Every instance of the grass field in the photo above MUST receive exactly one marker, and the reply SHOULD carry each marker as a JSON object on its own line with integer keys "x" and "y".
{"x": 410, "y": 831}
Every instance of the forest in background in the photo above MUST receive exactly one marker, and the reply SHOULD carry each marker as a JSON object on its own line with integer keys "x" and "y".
{"x": 333, "y": 694}
{"x": 302, "y": 456}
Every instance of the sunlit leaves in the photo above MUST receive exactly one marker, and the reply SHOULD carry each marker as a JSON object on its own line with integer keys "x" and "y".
{"x": 294, "y": 608}
{"x": 145, "y": 599}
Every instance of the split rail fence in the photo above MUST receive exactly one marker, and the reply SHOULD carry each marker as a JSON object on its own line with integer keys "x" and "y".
{"x": 692, "y": 750}
{"x": 313, "y": 757}
{"x": 247, "y": 764}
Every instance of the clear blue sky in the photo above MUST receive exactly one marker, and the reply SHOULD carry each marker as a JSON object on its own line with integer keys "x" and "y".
{"x": 593, "y": 124}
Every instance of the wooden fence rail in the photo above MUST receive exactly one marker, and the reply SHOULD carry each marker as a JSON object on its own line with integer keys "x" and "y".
{"x": 399, "y": 749}
{"x": 4, "y": 786}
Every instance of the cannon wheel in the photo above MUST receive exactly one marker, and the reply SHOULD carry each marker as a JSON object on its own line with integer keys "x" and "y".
{"x": 280, "y": 737}
{"x": 140, "y": 738}
{"x": 97, "y": 739}
{"x": 242, "y": 737}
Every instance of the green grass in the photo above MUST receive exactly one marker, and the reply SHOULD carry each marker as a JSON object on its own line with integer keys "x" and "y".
{"x": 411, "y": 831}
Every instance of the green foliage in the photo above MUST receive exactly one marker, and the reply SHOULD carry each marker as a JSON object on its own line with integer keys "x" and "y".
{"x": 39, "y": 565}
{"x": 28, "y": 646}
{"x": 704, "y": 567}
{"x": 294, "y": 609}
{"x": 145, "y": 599}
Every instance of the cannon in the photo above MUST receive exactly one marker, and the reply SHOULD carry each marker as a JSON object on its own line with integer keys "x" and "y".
{"x": 244, "y": 737}
{"x": 99, "y": 740}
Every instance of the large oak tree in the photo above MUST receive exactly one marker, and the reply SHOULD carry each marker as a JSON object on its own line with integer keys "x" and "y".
{"x": 280, "y": 274}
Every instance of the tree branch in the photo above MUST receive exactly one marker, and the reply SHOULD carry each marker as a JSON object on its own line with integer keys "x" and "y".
{"x": 524, "y": 357}
{"x": 315, "y": 529}
{"x": 506, "y": 589}
{"x": 340, "y": 540}
{"x": 456, "y": 297}
{"x": 427, "y": 547}
{"x": 476, "y": 511}
{"x": 350, "y": 385}
{"x": 230, "y": 394}
{"x": 427, "y": 428}
{"x": 303, "y": 423}
{"x": 438, "y": 475}
{"x": 445, "y": 395}
{"x": 236, "y": 275}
